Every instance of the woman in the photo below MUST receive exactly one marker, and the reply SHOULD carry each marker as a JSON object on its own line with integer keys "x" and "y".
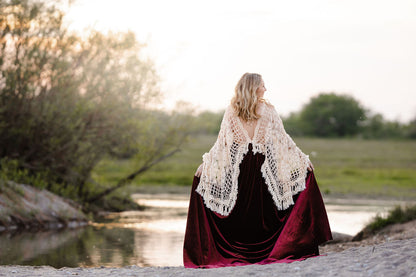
{"x": 254, "y": 198}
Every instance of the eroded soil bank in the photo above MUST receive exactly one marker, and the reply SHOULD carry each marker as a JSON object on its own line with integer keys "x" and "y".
{"x": 26, "y": 207}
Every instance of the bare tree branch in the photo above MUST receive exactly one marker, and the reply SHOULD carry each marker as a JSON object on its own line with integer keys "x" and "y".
{"x": 130, "y": 178}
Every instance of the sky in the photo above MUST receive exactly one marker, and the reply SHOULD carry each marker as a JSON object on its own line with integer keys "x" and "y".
{"x": 363, "y": 48}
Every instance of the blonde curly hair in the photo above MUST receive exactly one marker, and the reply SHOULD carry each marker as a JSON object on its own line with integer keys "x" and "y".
{"x": 245, "y": 100}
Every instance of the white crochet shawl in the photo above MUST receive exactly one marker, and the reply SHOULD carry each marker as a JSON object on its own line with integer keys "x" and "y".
{"x": 284, "y": 169}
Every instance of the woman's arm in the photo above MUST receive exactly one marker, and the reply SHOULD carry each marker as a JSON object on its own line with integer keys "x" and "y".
{"x": 310, "y": 166}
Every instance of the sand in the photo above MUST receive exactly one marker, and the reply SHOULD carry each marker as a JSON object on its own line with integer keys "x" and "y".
{"x": 393, "y": 258}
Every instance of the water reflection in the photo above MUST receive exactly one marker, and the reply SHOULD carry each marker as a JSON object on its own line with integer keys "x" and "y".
{"x": 153, "y": 237}
{"x": 349, "y": 216}
{"x": 350, "y": 220}
{"x": 82, "y": 247}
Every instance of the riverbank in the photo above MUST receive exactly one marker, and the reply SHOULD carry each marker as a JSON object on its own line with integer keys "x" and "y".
{"x": 154, "y": 236}
{"x": 28, "y": 208}
{"x": 393, "y": 258}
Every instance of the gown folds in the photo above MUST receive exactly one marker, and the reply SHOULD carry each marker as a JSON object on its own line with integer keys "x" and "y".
{"x": 255, "y": 232}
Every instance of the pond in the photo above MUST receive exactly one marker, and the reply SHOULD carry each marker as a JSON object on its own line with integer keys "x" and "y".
{"x": 153, "y": 237}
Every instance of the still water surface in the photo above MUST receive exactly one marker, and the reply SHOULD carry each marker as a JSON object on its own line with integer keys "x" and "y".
{"x": 153, "y": 237}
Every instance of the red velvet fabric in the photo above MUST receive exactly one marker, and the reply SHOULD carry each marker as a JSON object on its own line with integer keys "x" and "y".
{"x": 255, "y": 232}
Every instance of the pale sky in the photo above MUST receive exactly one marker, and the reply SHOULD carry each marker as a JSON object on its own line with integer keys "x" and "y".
{"x": 364, "y": 48}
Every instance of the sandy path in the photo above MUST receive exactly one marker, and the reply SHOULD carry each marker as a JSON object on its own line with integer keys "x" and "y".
{"x": 395, "y": 258}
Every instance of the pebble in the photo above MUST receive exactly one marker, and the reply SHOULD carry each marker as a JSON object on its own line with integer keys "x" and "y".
{"x": 391, "y": 259}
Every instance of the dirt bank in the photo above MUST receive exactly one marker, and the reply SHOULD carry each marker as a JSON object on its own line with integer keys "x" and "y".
{"x": 26, "y": 207}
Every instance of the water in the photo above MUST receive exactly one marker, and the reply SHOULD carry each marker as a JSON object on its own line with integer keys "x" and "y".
{"x": 153, "y": 237}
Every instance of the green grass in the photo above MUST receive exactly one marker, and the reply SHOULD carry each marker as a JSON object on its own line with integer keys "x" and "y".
{"x": 371, "y": 168}
{"x": 176, "y": 170}
{"x": 368, "y": 168}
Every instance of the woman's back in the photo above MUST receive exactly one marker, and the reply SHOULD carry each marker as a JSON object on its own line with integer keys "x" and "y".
{"x": 252, "y": 199}
{"x": 250, "y": 127}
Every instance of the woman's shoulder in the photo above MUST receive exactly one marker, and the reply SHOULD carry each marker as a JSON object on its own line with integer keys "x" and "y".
{"x": 267, "y": 106}
{"x": 266, "y": 103}
{"x": 229, "y": 109}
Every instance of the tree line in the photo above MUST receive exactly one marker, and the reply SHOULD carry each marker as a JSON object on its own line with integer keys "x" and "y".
{"x": 330, "y": 115}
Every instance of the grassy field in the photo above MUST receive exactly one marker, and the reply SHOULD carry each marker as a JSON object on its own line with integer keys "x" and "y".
{"x": 368, "y": 168}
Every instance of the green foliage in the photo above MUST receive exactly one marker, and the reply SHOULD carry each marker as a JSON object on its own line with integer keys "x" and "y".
{"x": 294, "y": 125}
{"x": 331, "y": 115}
{"x": 375, "y": 126}
{"x": 10, "y": 189}
{"x": 207, "y": 123}
{"x": 397, "y": 215}
{"x": 411, "y": 129}
{"x": 178, "y": 170}
{"x": 10, "y": 170}
{"x": 68, "y": 101}
{"x": 159, "y": 132}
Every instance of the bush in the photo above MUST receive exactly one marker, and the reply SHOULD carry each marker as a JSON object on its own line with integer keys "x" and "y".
{"x": 66, "y": 101}
{"x": 10, "y": 170}
{"x": 332, "y": 115}
{"x": 397, "y": 215}
{"x": 375, "y": 126}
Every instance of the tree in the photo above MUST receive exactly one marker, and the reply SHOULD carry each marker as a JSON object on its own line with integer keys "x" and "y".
{"x": 208, "y": 122}
{"x": 411, "y": 129}
{"x": 294, "y": 124}
{"x": 67, "y": 101}
{"x": 332, "y": 115}
{"x": 375, "y": 126}
{"x": 161, "y": 137}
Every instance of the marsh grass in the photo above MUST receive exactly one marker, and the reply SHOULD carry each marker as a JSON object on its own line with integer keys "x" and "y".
{"x": 365, "y": 168}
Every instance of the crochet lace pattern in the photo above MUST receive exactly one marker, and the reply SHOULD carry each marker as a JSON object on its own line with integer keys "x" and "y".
{"x": 284, "y": 169}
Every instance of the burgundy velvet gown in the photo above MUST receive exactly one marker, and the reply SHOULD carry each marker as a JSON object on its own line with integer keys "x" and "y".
{"x": 255, "y": 232}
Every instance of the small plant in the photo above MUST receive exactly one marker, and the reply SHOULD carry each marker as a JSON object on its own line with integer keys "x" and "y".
{"x": 10, "y": 190}
{"x": 397, "y": 215}
{"x": 11, "y": 170}
{"x": 15, "y": 188}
